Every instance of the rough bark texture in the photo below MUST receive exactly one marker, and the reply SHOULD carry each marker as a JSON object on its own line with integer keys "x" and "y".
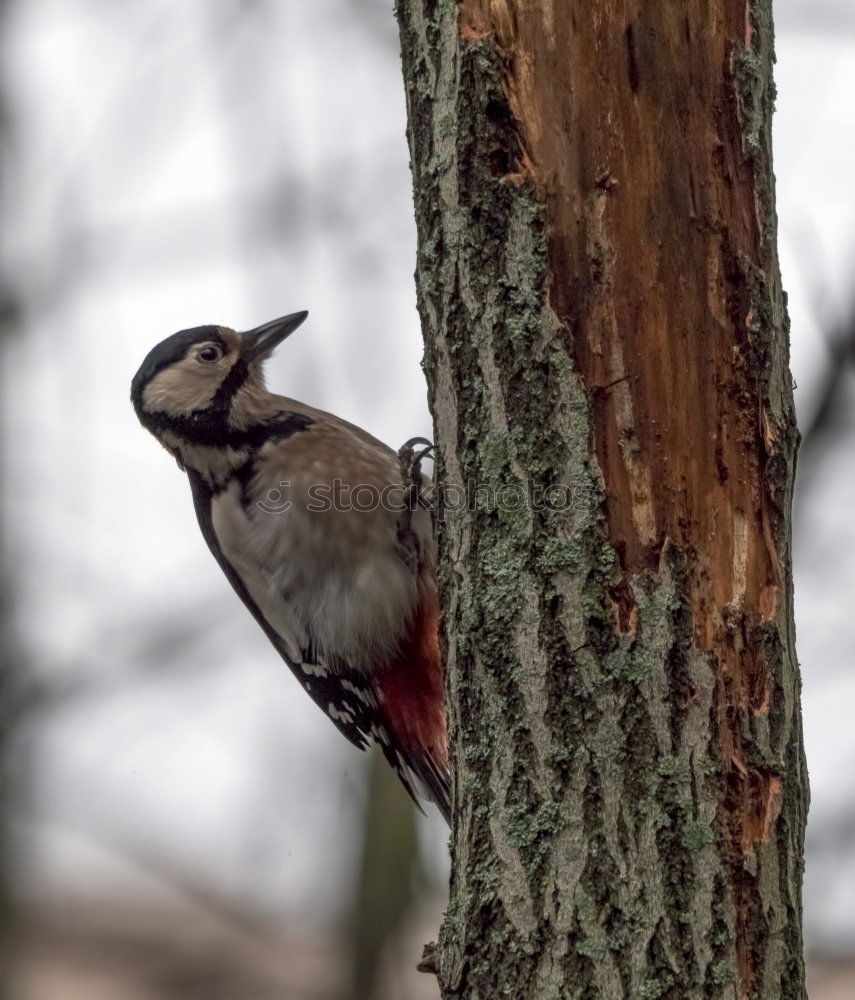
{"x": 600, "y": 295}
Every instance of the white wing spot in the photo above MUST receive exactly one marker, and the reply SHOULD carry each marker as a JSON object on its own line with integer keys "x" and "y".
{"x": 365, "y": 695}
{"x": 313, "y": 669}
{"x": 379, "y": 733}
{"x": 340, "y": 714}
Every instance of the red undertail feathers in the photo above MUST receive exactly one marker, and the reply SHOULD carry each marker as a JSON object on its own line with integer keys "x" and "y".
{"x": 410, "y": 693}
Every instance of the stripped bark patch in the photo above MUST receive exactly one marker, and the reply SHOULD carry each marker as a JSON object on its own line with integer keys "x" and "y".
{"x": 474, "y": 22}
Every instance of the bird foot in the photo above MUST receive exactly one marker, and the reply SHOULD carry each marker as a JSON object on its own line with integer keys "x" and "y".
{"x": 428, "y": 962}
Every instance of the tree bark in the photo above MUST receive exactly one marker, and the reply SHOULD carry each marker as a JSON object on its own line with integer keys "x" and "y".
{"x": 606, "y": 337}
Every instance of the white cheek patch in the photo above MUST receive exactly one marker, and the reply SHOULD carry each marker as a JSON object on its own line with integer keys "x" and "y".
{"x": 183, "y": 388}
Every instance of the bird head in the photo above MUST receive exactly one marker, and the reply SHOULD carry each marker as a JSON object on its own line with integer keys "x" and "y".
{"x": 187, "y": 384}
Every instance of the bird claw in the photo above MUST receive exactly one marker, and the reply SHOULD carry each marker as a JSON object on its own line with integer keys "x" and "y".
{"x": 413, "y": 442}
{"x": 410, "y": 463}
{"x": 428, "y": 962}
{"x": 410, "y": 460}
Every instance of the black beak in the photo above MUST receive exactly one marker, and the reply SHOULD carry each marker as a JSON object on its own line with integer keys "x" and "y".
{"x": 261, "y": 341}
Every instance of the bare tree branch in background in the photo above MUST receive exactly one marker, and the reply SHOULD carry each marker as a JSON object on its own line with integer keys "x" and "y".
{"x": 388, "y": 880}
{"x": 829, "y": 396}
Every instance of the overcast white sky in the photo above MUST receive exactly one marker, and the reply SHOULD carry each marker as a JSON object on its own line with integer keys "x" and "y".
{"x": 158, "y": 153}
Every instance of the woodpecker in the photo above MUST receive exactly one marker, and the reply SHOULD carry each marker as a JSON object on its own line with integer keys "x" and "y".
{"x": 304, "y": 513}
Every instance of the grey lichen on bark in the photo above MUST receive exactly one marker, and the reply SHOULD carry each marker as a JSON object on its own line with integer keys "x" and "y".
{"x": 629, "y": 790}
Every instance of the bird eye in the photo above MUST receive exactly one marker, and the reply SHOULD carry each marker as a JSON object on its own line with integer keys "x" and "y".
{"x": 209, "y": 353}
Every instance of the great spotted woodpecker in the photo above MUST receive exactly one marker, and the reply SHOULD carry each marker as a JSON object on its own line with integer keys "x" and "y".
{"x": 305, "y": 515}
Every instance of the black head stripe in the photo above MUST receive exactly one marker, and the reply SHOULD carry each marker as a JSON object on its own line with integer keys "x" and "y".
{"x": 210, "y": 428}
{"x": 167, "y": 352}
{"x": 231, "y": 383}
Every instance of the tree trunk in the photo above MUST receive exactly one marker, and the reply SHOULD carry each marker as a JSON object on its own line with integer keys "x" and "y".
{"x": 607, "y": 360}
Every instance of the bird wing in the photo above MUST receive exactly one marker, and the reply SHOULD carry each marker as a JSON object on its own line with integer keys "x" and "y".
{"x": 353, "y": 717}
{"x": 398, "y": 706}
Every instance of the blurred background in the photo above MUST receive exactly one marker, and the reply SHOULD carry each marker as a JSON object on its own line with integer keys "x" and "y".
{"x": 181, "y": 821}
